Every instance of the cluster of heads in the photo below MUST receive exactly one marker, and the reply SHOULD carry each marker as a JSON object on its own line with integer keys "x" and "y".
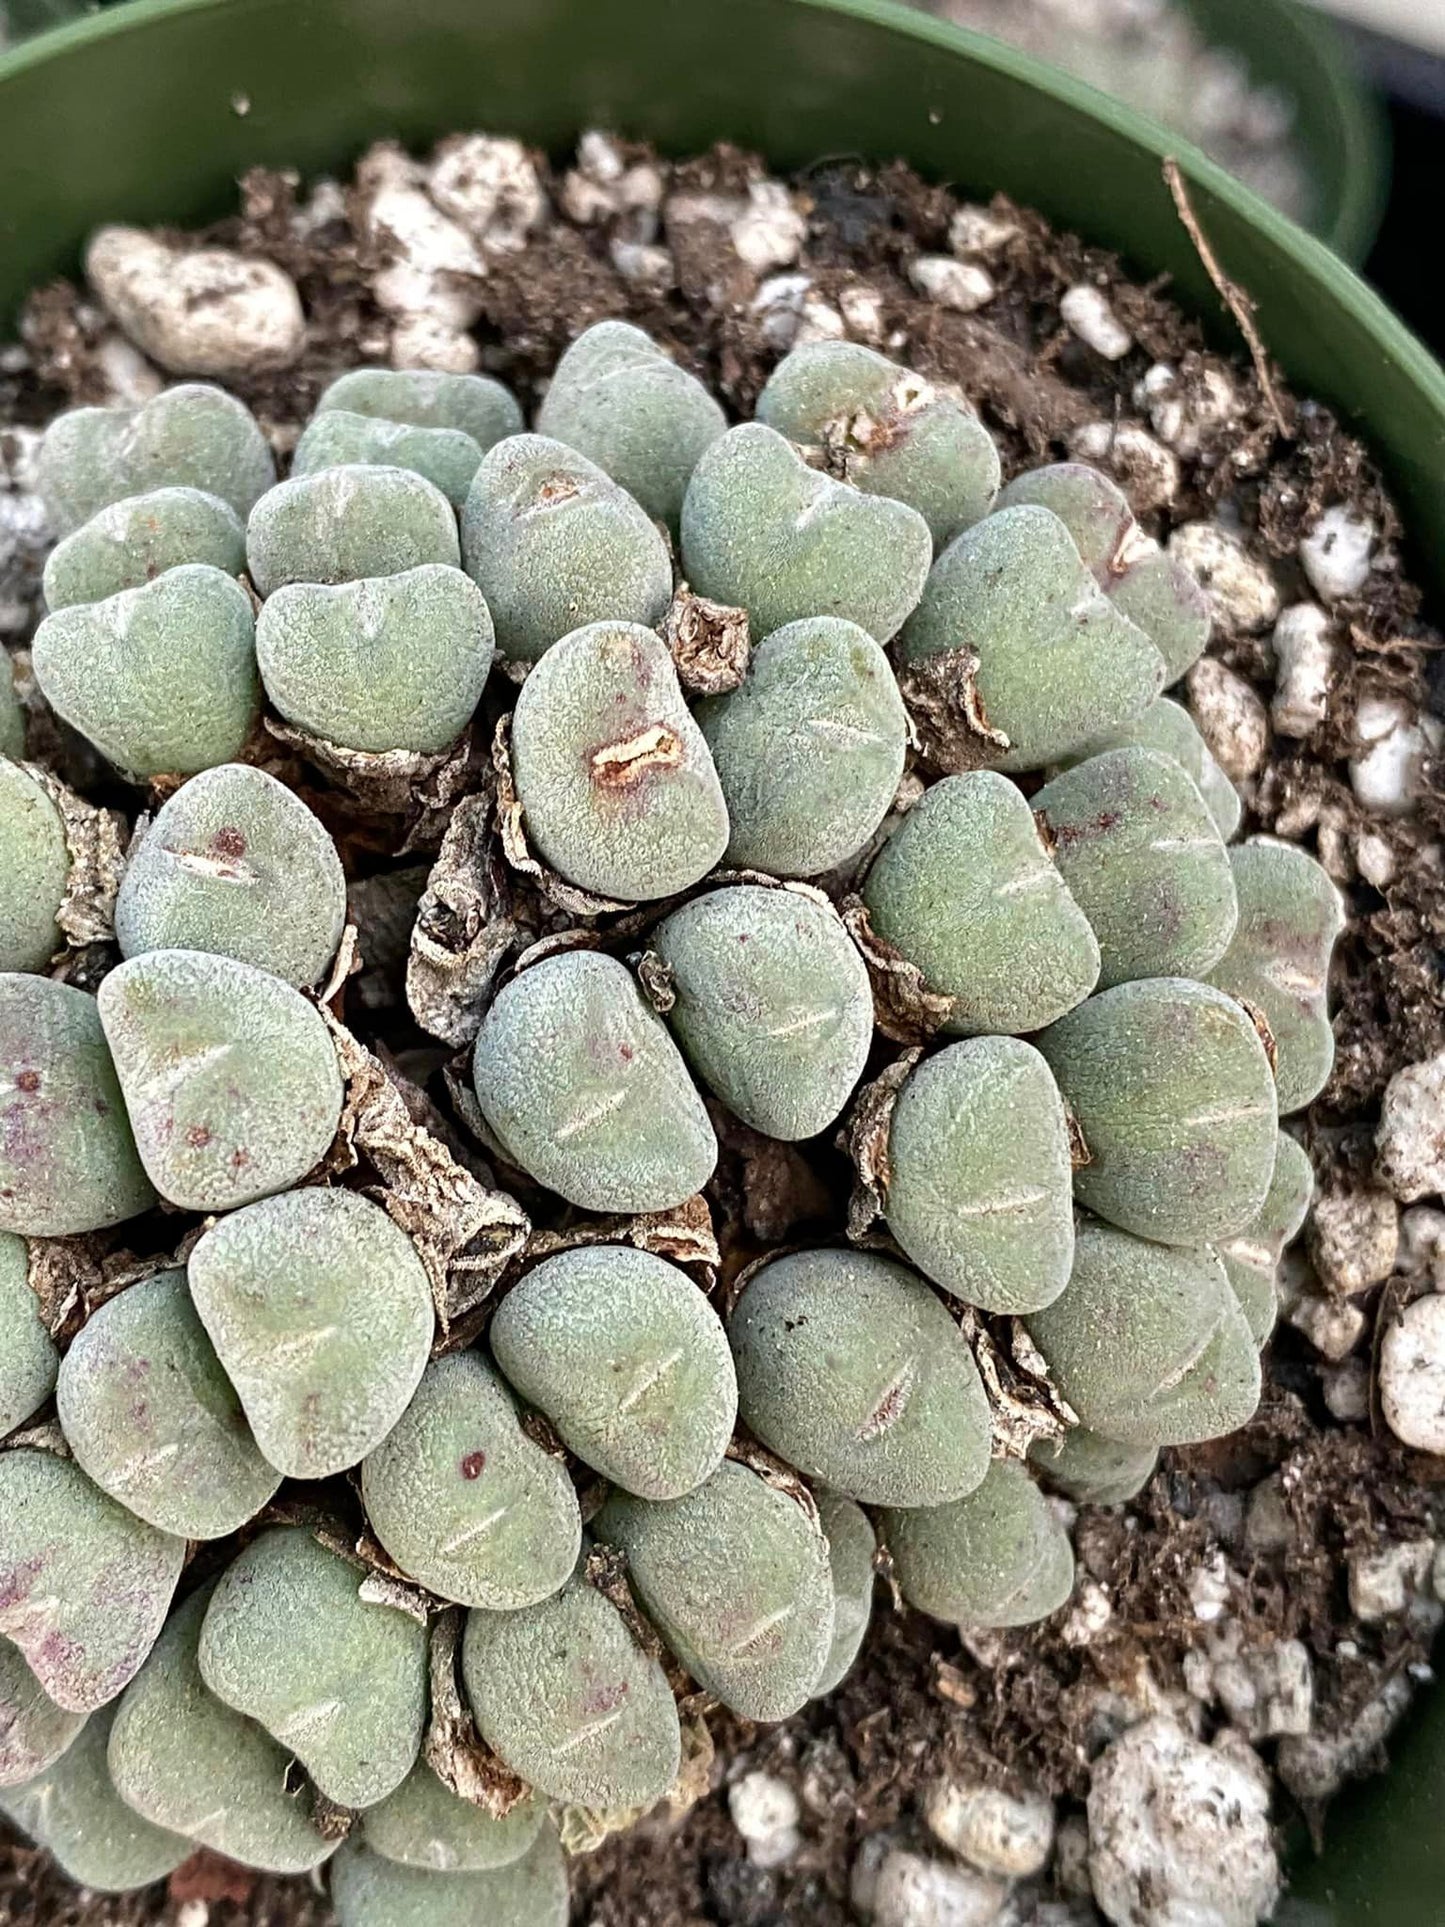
{"x": 950, "y": 764}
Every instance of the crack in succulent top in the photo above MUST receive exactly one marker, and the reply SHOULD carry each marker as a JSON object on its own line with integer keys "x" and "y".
{"x": 618, "y": 765}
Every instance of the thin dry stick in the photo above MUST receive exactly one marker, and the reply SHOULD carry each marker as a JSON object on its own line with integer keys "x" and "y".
{"x": 1234, "y": 297}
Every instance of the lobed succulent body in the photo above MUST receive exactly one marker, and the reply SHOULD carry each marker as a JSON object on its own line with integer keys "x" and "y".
{"x": 190, "y": 436}
{"x": 140, "y": 537}
{"x": 554, "y": 544}
{"x": 628, "y": 1360}
{"x": 35, "y": 863}
{"x": 615, "y": 780}
{"x": 386, "y": 1393}
{"x": 967, "y": 891}
{"x": 237, "y": 866}
{"x": 616, "y": 398}
{"x": 389, "y": 662}
{"x": 162, "y": 679}
{"x": 28, "y": 1358}
{"x": 565, "y": 1696}
{"x": 771, "y": 1005}
{"x": 810, "y": 750}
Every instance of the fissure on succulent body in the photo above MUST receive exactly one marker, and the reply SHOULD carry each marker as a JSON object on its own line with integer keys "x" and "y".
{"x": 948, "y": 775}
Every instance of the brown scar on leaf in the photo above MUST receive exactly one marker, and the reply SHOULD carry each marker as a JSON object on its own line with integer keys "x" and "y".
{"x": 949, "y": 720}
{"x": 617, "y": 765}
{"x": 773, "y": 1471}
{"x": 517, "y": 850}
{"x": 1262, "y": 1030}
{"x": 709, "y": 642}
{"x": 904, "y": 1008}
{"x": 1024, "y": 1402}
{"x": 453, "y": 1748}
{"x": 1079, "y": 1152}
{"x": 863, "y": 1140}
{"x": 606, "y": 1572}
{"x": 96, "y": 843}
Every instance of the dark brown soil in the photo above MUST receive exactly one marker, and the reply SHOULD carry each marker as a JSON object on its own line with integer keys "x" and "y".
{"x": 1025, "y": 1708}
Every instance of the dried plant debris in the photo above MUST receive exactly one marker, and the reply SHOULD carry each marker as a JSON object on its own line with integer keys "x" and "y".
{"x": 602, "y": 850}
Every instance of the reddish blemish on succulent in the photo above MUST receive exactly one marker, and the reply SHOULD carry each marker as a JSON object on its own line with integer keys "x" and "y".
{"x": 27, "y": 1081}
{"x": 229, "y": 842}
{"x": 199, "y": 1136}
{"x": 472, "y": 1465}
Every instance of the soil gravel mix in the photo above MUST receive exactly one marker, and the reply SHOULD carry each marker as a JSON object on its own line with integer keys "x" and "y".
{"x": 1279, "y": 1510}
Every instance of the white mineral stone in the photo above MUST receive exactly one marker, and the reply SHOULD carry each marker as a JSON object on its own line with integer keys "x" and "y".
{"x": 1090, "y": 1611}
{"x": 130, "y": 379}
{"x": 1422, "y": 1245}
{"x": 25, "y": 535}
{"x": 862, "y": 310}
{"x": 1335, "y": 555}
{"x": 1267, "y": 1691}
{"x": 489, "y": 186}
{"x": 1184, "y": 415}
{"x": 1393, "y": 743}
{"x": 912, "y": 1891}
{"x": 1085, "y": 310}
{"x": 642, "y": 263}
{"x": 1410, "y": 1140}
{"x": 961, "y": 285}
{"x": 431, "y": 265}
{"x": 1334, "y": 1326}
{"x": 1144, "y": 468}
{"x": 1242, "y": 590}
{"x": 1382, "y": 1583}
{"x": 1209, "y": 1588}
{"x": 978, "y": 230}
{"x": 1304, "y": 654}
{"x": 197, "y": 311}
{"x": 1179, "y": 1833}
{"x": 792, "y": 313}
{"x": 1316, "y": 1766}
{"x": 1347, "y": 1391}
{"x": 769, "y": 229}
{"x": 1267, "y": 1525}
{"x": 1353, "y": 1238}
{"x": 998, "y": 1833}
{"x": 765, "y": 1812}
{"x": 1412, "y": 1374}
{"x": 1071, "y": 1857}
{"x": 1375, "y": 858}
{"x": 1231, "y": 718}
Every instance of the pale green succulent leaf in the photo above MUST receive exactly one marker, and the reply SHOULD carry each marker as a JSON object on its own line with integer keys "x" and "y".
{"x": 464, "y": 1501}
{"x": 628, "y": 1360}
{"x": 369, "y": 1891}
{"x": 230, "y": 1079}
{"x": 773, "y": 1007}
{"x": 617, "y": 786}
{"x": 28, "y": 1356}
{"x": 736, "y": 1577}
{"x": 34, "y": 871}
{"x": 347, "y": 523}
{"x": 980, "y": 1192}
{"x": 321, "y": 1313}
{"x": 967, "y": 891}
{"x": 851, "y": 1369}
{"x": 162, "y": 679}
{"x": 340, "y": 437}
{"x": 810, "y": 749}
{"x": 763, "y": 531}
{"x": 154, "y": 1421}
{"x": 84, "y": 1585}
{"x": 235, "y": 864}
{"x": 133, "y": 541}
{"x": 555, "y": 545}
{"x": 68, "y": 1160}
{"x": 583, "y": 1087}
{"x": 998, "y": 1557}
{"x": 341, "y": 1682}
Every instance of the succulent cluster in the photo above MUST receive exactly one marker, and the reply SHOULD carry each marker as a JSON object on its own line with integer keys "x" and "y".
{"x": 311, "y": 1552}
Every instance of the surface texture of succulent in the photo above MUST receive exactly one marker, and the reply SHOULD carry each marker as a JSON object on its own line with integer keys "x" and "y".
{"x": 871, "y": 841}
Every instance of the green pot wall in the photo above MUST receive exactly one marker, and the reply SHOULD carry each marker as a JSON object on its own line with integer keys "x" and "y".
{"x": 1340, "y": 126}
{"x": 134, "y": 115}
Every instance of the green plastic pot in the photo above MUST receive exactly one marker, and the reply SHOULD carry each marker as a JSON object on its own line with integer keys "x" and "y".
{"x": 149, "y": 113}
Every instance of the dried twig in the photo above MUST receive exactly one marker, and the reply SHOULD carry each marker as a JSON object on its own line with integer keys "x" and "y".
{"x": 1234, "y": 297}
